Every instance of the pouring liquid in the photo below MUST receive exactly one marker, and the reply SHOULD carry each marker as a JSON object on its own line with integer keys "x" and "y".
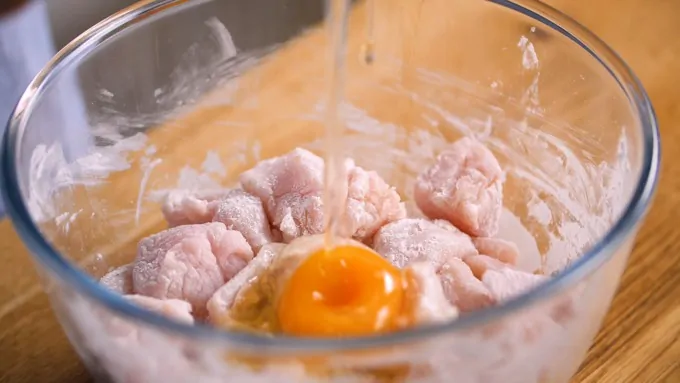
{"x": 335, "y": 177}
{"x": 368, "y": 49}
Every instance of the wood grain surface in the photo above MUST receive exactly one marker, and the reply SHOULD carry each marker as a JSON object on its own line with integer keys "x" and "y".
{"x": 640, "y": 340}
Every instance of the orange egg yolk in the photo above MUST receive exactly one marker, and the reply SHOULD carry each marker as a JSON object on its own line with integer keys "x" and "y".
{"x": 347, "y": 291}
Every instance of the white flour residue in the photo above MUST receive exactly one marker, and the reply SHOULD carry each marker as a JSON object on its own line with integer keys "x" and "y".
{"x": 224, "y": 40}
{"x": 189, "y": 179}
{"x": 50, "y": 173}
{"x": 529, "y": 56}
{"x": 609, "y": 199}
{"x": 539, "y": 210}
{"x": 228, "y": 50}
{"x": 487, "y": 129}
{"x": 105, "y": 94}
{"x": 213, "y": 170}
{"x": 238, "y": 154}
{"x": 65, "y": 220}
{"x": 207, "y": 72}
{"x": 213, "y": 164}
{"x": 530, "y": 63}
{"x": 147, "y": 166}
{"x": 62, "y": 218}
{"x": 530, "y": 97}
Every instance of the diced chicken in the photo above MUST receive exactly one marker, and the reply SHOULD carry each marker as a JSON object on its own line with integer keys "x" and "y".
{"x": 463, "y": 186}
{"x": 189, "y": 262}
{"x": 299, "y": 215}
{"x": 119, "y": 280}
{"x": 300, "y": 171}
{"x": 480, "y": 264}
{"x": 371, "y": 203}
{"x": 243, "y": 212}
{"x": 430, "y": 304}
{"x": 172, "y": 308}
{"x": 507, "y": 283}
{"x": 187, "y": 207}
{"x": 504, "y": 251}
{"x": 462, "y": 288}
{"x": 411, "y": 240}
{"x": 234, "y": 290}
{"x": 290, "y": 188}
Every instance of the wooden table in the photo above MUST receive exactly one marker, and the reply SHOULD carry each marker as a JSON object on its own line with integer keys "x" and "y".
{"x": 640, "y": 341}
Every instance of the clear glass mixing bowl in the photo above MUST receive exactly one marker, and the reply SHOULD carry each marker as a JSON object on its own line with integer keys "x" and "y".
{"x": 177, "y": 94}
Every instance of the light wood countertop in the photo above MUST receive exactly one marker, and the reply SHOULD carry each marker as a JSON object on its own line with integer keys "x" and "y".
{"x": 640, "y": 340}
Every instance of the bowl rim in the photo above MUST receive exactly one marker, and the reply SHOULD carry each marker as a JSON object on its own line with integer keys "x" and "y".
{"x": 621, "y": 230}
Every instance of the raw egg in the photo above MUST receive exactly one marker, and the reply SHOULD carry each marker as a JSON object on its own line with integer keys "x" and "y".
{"x": 347, "y": 291}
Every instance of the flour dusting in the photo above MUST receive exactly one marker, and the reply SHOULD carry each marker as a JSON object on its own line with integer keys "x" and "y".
{"x": 213, "y": 164}
{"x": 50, "y": 173}
{"x": 529, "y": 56}
{"x": 147, "y": 166}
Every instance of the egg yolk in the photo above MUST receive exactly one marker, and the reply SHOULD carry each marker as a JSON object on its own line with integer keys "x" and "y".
{"x": 346, "y": 291}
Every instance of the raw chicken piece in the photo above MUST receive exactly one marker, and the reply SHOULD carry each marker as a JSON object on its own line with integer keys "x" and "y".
{"x": 187, "y": 207}
{"x": 504, "y": 251}
{"x": 299, "y": 215}
{"x": 480, "y": 264}
{"x": 462, "y": 288}
{"x": 371, "y": 203}
{"x": 504, "y": 282}
{"x": 300, "y": 171}
{"x": 411, "y": 239}
{"x": 507, "y": 283}
{"x": 119, "y": 280}
{"x": 234, "y": 290}
{"x": 290, "y": 189}
{"x": 189, "y": 262}
{"x": 291, "y": 186}
{"x": 244, "y": 213}
{"x": 171, "y": 308}
{"x": 430, "y": 305}
{"x": 463, "y": 186}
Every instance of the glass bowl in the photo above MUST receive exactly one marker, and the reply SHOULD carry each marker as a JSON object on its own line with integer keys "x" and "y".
{"x": 174, "y": 94}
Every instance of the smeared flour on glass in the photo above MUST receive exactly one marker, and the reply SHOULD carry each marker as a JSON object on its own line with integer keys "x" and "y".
{"x": 531, "y": 64}
{"x": 50, "y": 173}
{"x": 119, "y": 134}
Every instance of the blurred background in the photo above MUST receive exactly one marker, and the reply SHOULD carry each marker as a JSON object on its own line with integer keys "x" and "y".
{"x": 69, "y": 18}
